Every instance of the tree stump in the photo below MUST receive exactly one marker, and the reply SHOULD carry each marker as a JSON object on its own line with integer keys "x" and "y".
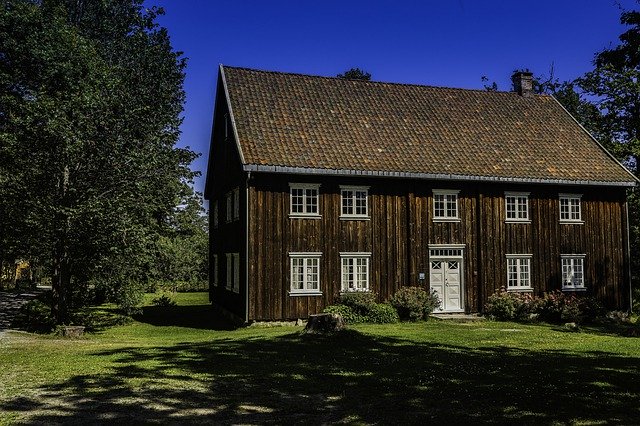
{"x": 324, "y": 324}
{"x": 72, "y": 331}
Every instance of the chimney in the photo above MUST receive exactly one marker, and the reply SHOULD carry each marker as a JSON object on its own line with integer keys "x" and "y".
{"x": 523, "y": 83}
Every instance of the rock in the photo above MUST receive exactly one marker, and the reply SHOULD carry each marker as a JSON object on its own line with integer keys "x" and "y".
{"x": 324, "y": 324}
{"x": 571, "y": 326}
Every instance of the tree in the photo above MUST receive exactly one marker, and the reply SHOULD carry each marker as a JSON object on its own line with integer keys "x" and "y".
{"x": 90, "y": 114}
{"x": 355, "y": 74}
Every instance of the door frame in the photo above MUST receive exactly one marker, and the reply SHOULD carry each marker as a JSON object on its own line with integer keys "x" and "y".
{"x": 445, "y": 252}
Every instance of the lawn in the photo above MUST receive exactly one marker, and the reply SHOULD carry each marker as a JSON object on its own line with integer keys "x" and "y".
{"x": 180, "y": 365}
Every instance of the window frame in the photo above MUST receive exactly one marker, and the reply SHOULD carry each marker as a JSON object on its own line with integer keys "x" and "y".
{"x": 233, "y": 272}
{"x": 304, "y": 187}
{"x": 354, "y": 215}
{"x": 215, "y": 271}
{"x": 236, "y": 203}
{"x": 569, "y": 198}
{"x": 305, "y": 257}
{"x": 353, "y": 257}
{"x": 228, "y": 197}
{"x": 215, "y": 215}
{"x": 447, "y": 217}
{"x": 573, "y": 258}
{"x": 519, "y": 258}
{"x": 517, "y": 196}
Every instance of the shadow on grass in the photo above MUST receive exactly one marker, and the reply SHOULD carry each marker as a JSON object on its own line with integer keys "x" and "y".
{"x": 346, "y": 378}
{"x": 192, "y": 316}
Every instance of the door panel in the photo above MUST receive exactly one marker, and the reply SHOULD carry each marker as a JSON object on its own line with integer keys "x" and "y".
{"x": 445, "y": 279}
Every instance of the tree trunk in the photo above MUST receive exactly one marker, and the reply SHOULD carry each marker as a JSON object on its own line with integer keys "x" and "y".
{"x": 61, "y": 262}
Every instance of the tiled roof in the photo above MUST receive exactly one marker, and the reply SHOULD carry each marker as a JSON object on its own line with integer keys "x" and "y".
{"x": 301, "y": 121}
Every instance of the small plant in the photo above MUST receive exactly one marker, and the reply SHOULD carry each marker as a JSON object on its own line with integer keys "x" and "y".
{"x": 164, "y": 300}
{"x": 505, "y": 306}
{"x": 360, "y": 301}
{"x": 383, "y": 313}
{"x": 362, "y": 307}
{"x": 414, "y": 303}
{"x": 348, "y": 314}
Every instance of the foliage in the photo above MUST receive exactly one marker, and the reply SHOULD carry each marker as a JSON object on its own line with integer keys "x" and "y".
{"x": 414, "y": 303}
{"x": 553, "y": 307}
{"x": 35, "y": 316}
{"x": 507, "y": 306}
{"x": 355, "y": 74}
{"x": 164, "y": 300}
{"x": 90, "y": 102}
{"x": 360, "y": 307}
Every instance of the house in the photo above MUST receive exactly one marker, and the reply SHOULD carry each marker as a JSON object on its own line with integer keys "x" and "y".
{"x": 319, "y": 186}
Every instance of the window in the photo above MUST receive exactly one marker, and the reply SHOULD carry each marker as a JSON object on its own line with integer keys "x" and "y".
{"x": 518, "y": 272}
{"x": 517, "y": 206}
{"x": 214, "y": 278}
{"x": 305, "y": 273}
{"x": 573, "y": 272}
{"x": 229, "y": 206}
{"x": 445, "y": 205}
{"x": 570, "y": 208}
{"x": 233, "y": 272}
{"x": 354, "y": 201}
{"x": 303, "y": 200}
{"x": 215, "y": 214}
{"x": 236, "y": 204}
{"x": 355, "y": 271}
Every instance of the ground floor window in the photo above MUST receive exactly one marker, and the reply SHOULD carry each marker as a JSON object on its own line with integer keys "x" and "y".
{"x": 214, "y": 279}
{"x": 518, "y": 272}
{"x": 572, "y": 272}
{"x": 305, "y": 273}
{"x": 233, "y": 272}
{"x": 355, "y": 271}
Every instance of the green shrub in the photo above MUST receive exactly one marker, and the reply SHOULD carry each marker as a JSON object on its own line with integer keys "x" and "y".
{"x": 360, "y": 301}
{"x": 164, "y": 300}
{"x": 508, "y": 306}
{"x": 348, "y": 314}
{"x": 383, "y": 313}
{"x": 414, "y": 303}
{"x": 35, "y": 316}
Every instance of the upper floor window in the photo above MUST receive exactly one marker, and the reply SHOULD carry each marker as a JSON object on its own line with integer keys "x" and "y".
{"x": 518, "y": 272}
{"x": 304, "y": 199}
{"x": 305, "y": 273}
{"x": 570, "y": 210}
{"x": 517, "y": 204}
{"x": 355, "y": 271}
{"x": 229, "y": 206}
{"x": 215, "y": 214}
{"x": 354, "y": 201}
{"x": 236, "y": 204}
{"x": 572, "y": 271}
{"x": 445, "y": 205}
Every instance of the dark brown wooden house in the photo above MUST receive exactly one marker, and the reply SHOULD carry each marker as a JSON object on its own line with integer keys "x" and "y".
{"x": 319, "y": 186}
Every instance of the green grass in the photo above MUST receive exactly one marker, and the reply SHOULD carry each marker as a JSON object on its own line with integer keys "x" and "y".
{"x": 182, "y": 365}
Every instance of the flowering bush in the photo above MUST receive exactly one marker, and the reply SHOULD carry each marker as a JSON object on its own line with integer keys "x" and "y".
{"x": 414, "y": 303}
{"x": 506, "y": 306}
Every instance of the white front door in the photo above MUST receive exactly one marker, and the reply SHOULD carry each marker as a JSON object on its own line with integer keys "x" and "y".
{"x": 445, "y": 279}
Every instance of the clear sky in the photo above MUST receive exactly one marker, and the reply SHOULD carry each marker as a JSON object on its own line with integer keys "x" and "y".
{"x": 440, "y": 43}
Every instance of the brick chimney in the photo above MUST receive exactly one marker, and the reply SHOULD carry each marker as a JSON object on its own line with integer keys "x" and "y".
{"x": 523, "y": 83}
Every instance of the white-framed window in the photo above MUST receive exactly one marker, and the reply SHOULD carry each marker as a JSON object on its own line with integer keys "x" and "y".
{"x": 233, "y": 272}
{"x": 354, "y": 202}
{"x": 304, "y": 200}
{"x": 229, "y": 206}
{"x": 214, "y": 278}
{"x": 445, "y": 205}
{"x": 519, "y": 272}
{"x": 305, "y": 273}
{"x": 355, "y": 271}
{"x": 236, "y": 204}
{"x": 572, "y": 271}
{"x": 517, "y": 206}
{"x": 215, "y": 214}
{"x": 570, "y": 208}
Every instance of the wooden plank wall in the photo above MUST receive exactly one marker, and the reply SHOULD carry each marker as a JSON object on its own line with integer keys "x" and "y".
{"x": 400, "y": 231}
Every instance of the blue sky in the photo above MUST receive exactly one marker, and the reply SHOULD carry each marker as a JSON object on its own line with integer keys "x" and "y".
{"x": 441, "y": 43}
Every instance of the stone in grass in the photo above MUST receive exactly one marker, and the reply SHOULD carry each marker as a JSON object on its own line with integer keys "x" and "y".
{"x": 324, "y": 324}
{"x": 571, "y": 326}
{"x": 71, "y": 331}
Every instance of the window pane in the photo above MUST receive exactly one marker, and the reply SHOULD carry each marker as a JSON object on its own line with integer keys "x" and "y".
{"x": 347, "y": 202}
{"x": 511, "y": 207}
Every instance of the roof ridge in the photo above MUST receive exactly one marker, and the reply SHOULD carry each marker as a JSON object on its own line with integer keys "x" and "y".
{"x": 386, "y": 83}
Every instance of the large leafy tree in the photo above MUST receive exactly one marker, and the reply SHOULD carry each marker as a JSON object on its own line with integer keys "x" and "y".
{"x": 90, "y": 113}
